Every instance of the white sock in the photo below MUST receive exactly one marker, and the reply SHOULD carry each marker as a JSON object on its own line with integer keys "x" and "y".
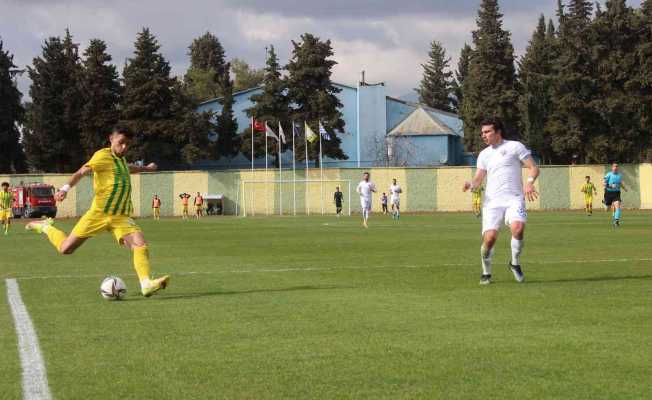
{"x": 517, "y": 247}
{"x": 486, "y": 256}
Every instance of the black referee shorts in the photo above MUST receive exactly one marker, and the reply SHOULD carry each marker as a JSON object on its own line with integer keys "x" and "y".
{"x": 611, "y": 197}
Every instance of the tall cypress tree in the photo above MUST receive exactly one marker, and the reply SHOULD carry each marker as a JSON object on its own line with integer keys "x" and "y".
{"x": 535, "y": 100}
{"x": 460, "y": 75}
{"x": 208, "y": 72}
{"x": 436, "y": 86}
{"x": 574, "y": 86}
{"x": 12, "y": 158}
{"x": 617, "y": 135}
{"x": 147, "y": 102}
{"x": 52, "y": 134}
{"x": 642, "y": 82}
{"x": 101, "y": 90}
{"x": 490, "y": 87}
{"x": 228, "y": 142}
{"x": 271, "y": 106}
{"x": 312, "y": 93}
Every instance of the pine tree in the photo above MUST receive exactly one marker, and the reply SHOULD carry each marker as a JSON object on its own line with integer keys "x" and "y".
{"x": 147, "y": 103}
{"x": 460, "y": 75}
{"x": 574, "y": 85}
{"x": 271, "y": 106}
{"x": 617, "y": 135}
{"x": 436, "y": 88}
{"x": 228, "y": 141}
{"x": 12, "y": 112}
{"x": 208, "y": 69}
{"x": 641, "y": 85}
{"x": 490, "y": 87}
{"x": 536, "y": 70}
{"x": 312, "y": 93}
{"x": 191, "y": 128}
{"x": 101, "y": 89}
{"x": 52, "y": 131}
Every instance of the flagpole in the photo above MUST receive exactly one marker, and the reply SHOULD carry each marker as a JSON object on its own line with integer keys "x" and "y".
{"x": 266, "y": 184}
{"x": 280, "y": 172}
{"x": 294, "y": 174}
{"x": 321, "y": 172}
{"x": 252, "y": 146}
{"x": 307, "y": 193}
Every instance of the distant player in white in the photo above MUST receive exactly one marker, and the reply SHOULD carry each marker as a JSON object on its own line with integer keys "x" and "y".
{"x": 505, "y": 196}
{"x": 365, "y": 188}
{"x": 395, "y": 192}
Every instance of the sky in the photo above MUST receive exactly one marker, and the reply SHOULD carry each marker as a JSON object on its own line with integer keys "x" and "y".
{"x": 389, "y": 39}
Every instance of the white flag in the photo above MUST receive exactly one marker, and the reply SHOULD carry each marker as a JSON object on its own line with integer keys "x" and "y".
{"x": 281, "y": 134}
{"x": 269, "y": 132}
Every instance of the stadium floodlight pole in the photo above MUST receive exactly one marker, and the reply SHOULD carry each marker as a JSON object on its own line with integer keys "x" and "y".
{"x": 305, "y": 136}
{"x": 294, "y": 174}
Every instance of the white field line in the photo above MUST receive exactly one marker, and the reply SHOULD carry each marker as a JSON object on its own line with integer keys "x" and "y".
{"x": 35, "y": 379}
{"x": 325, "y": 269}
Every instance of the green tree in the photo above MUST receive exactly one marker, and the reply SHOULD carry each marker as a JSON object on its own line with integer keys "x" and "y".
{"x": 460, "y": 75}
{"x": 271, "y": 106}
{"x": 313, "y": 95}
{"x": 617, "y": 135}
{"x": 228, "y": 141}
{"x": 574, "y": 85}
{"x": 436, "y": 88}
{"x": 52, "y": 130}
{"x": 490, "y": 86}
{"x": 246, "y": 77}
{"x": 536, "y": 75}
{"x": 208, "y": 69}
{"x": 101, "y": 90}
{"x": 642, "y": 83}
{"x": 12, "y": 113}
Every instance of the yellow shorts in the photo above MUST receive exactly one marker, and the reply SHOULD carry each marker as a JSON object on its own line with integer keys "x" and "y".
{"x": 185, "y": 208}
{"x": 588, "y": 200}
{"x": 5, "y": 214}
{"x": 199, "y": 208}
{"x": 94, "y": 222}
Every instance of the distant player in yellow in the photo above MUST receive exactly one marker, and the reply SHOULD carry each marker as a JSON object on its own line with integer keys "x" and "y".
{"x": 184, "y": 202}
{"x": 6, "y": 200}
{"x": 156, "y": 207}
{"x": 476, "y": 196}
{"x": 110, "y": 210}
{"x": 199, "y": 206}
{"x": 589, "y": 190}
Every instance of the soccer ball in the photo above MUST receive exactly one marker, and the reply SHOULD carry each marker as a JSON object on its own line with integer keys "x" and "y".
{"x": 113, "y": 288}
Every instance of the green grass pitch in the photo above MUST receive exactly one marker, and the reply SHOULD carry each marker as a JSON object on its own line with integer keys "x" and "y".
{"x": 319, "y": 308}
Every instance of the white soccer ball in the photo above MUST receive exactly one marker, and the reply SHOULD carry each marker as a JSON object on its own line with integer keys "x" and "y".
{"x": 113, "y": 288}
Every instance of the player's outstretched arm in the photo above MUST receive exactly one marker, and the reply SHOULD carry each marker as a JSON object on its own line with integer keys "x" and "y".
{"x": 134, "y": 169}
{"x": 61, "y": 194}
{"x": 530, "y": 192}
{"x": 480, "y": 174}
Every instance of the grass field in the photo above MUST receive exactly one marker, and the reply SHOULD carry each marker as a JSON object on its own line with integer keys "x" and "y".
{"x": 319, "y": 308}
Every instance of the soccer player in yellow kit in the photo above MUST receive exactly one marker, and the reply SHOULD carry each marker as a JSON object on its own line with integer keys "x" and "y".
{"x": 476, "y": 196}
{"x": 110, "y": 210}
{"x": 6, "y": 198}
{"x": 589, "y": 190}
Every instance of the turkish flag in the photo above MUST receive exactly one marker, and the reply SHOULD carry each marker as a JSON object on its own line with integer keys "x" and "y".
{"x": 259, "y": 126}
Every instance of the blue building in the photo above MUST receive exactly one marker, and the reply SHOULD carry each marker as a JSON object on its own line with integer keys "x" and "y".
{"x": 379, "y": 130}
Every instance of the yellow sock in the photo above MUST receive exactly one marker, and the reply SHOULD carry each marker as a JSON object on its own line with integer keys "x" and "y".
{"x": 141, "y": 262}
{"x": 55, "y": 236}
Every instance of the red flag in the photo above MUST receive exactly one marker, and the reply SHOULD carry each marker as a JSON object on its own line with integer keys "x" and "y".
{"x": 259, "y": 126}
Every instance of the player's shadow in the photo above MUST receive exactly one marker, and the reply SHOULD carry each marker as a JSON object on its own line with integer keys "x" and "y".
{"x": 593, "y": 279}
{"x": 194, "y": 295}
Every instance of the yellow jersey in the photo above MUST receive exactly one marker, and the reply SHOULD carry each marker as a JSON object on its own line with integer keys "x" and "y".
{"x": 6, "y": 199}
{"x": 111, "y": 183}
{"x": 477, "y": 194}
{"x": 588, "y": 189}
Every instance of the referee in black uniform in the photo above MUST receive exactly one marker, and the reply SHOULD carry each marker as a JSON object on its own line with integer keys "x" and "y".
{"x": 337, "y": 196}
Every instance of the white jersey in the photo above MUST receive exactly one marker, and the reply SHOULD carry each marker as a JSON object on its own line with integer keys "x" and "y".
{"x": 503, "y": 164}
{"x": 366, "y": 189}
{"x": 395, "y": 191}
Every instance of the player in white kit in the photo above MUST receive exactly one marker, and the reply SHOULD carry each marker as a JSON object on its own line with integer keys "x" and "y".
{"x": 365, "y": 188}
{"x": 501, "y": 162}
{"x": 395, "y": 192}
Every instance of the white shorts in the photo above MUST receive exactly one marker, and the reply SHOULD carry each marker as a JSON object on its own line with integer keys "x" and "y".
{"x": 365, "y": 204}
{"x": 506, "y": 212}
{"x": 396, "y": 201}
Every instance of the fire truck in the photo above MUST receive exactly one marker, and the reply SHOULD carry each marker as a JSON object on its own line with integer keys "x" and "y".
{"x": 34, "y": 200}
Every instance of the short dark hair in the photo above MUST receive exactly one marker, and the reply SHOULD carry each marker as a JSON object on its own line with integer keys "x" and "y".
{"x": 495, "y": 122}
{"x": 5, "y": 184}
{"x": 123, "y": 130}
{"x": 588, "y": 177}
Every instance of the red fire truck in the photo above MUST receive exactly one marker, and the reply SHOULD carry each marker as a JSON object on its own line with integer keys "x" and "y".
{"x": 34, "y": 200}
